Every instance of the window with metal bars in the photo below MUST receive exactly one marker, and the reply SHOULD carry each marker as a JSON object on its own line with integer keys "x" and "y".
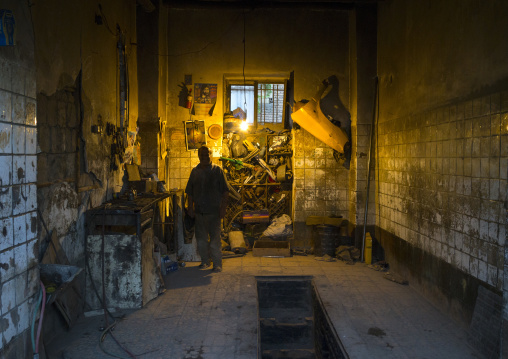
{"x": 260, "y": 103}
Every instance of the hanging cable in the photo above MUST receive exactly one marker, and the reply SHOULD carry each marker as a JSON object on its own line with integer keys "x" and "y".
{"x": 39, "y": 328}
{"x": 243, "y": 69}
{"x": 34, "y": 317}
{"x": 368, "y": 165}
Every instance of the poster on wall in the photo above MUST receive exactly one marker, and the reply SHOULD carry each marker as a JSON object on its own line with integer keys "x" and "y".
{"x": 205, "y": 96}
{"x": 195, "y": 135}
{"x": 7, "y": 28}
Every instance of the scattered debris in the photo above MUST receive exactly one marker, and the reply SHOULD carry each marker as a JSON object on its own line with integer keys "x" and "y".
{"x": 300, "y": 251}
{"x": 380, "y": 266}
{"x": 229, "y": 254}
{"x": 376, "y": 332}
{"x": 325, "y": 258}
{"x": 396, "y": 278}
{"x": 279, "y": 226}
{"x": 348, "y": 254}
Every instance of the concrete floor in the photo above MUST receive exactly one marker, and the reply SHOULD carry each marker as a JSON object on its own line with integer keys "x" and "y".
{"x": 214, "y": 315}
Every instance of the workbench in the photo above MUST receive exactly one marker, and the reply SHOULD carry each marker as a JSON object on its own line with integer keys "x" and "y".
{"x": 158, "y": 211}
{"x": 121, "y": 249}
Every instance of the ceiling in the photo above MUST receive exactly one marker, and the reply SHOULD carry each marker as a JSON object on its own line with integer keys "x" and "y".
{"x": 319, "y": 4}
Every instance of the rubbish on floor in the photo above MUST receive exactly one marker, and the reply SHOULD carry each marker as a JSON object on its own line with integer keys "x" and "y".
{"x": 325, "y": 258}
{"x": 229, "y": 254}
{"x": 280, "y": 226}
{"x": 300, "y": 251}
{"x": 225, "y": 246}
{"x": 348, "y": 254}
{"x": 380, "y": 266}
{"x": 395, "y": 278}
{"x": 167, "y": 265}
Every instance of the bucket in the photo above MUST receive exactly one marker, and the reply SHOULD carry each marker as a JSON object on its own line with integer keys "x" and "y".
{"x": 325, "y": 240}
{"x": 236, "y": 240}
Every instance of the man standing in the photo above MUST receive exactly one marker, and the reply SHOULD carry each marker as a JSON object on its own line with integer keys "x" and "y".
{"x": 207, "y": 192}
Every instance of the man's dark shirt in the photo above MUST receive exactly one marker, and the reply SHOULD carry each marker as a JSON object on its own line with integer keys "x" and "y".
{"x": 206, "y": 185}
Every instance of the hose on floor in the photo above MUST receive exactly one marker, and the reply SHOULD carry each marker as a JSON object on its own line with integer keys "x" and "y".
{"x": 103, "y": 337}
{"x": 40, "y": 299}
{"x": 32, "y": 334}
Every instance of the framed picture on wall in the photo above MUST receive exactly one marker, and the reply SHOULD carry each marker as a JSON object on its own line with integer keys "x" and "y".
{"x": 195, "y": 134}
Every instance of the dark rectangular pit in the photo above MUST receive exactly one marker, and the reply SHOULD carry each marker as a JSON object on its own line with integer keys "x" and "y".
{"x": 293, "y": 322}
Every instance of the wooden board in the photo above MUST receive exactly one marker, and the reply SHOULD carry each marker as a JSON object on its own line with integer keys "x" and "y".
{"x": 54, "y": 253}
{"x": 133, "y": 172}
{"x": 269, "y": 248}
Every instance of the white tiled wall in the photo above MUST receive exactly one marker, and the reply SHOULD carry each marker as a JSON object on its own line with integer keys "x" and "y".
{"x": 443, "y": 180}
{"x": 18, "y": 198}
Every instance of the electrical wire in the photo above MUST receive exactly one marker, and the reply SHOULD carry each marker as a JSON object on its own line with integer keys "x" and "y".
{"x": 368, "y": 167}
{"x": 34, "y": 316}
{"x": 103, "y": 337}
{"x": 105, "y": 21}
{"x": 39, "y": 329}
{"x": 243, "y": 69}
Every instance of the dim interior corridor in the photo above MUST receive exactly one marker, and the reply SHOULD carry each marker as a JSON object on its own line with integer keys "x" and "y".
{"x": 388, "y": 116}
{"x": 214, "y": 315}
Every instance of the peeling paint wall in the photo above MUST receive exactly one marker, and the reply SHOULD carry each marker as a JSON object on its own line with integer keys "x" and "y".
{"x": 78, "y": 87}
{"x": 313, "y": 44}
{"x": 19, "y": 274}
{"x": 443, "y": 147}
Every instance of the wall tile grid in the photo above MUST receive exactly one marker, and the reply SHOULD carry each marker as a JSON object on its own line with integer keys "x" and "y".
{"x": 58, "y": 128}
{"x": 320, "y": 183}
{"x": 18, "y": 199}
{"x": 181, "y": 161}
{"x": 442, "y": 183}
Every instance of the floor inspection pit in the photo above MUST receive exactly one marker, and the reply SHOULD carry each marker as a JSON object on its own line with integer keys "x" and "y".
{"x": 207, "y": 315}
{"x": 293, "y": 322}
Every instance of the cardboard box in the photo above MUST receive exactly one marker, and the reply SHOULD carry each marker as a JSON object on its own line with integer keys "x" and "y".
{"x": 270, "y": 248}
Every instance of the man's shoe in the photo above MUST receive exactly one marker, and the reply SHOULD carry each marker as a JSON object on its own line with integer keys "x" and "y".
{"x": 217, "y": 269}
{"x": 204, "y": 266}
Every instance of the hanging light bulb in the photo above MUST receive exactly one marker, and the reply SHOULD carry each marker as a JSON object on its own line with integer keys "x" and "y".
{"x": 244, "y": 125}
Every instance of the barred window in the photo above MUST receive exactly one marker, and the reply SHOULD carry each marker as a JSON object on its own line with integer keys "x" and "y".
{"x": 270, "y": 102}
{"x": 261, "y": 103}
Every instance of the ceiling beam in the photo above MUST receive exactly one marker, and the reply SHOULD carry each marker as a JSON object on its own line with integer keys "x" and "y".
{"x": 270, "y": 4}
